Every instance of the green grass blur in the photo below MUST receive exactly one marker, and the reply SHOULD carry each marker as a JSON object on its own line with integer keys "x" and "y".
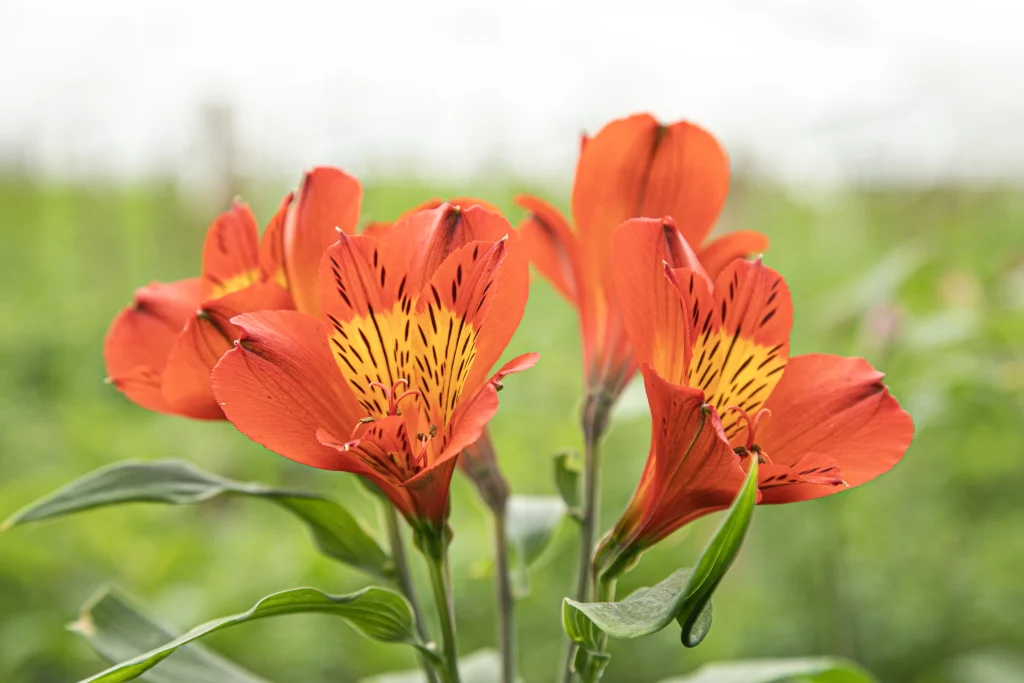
{"x": 917, "y": 575}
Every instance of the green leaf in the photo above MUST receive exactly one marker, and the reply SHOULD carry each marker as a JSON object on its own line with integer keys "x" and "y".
{"x": 531, "y": 522}
{"x": 568, "y": 474}
{"x": 811, "y": 670}
{"x": 684, "y": 596}
{"x": 117, "y": 631}
{"x": 715, "y": 561}
{"x": 482, "y": 666}
{"x": 377, "y": 613}
{"x": 335, "y": 530}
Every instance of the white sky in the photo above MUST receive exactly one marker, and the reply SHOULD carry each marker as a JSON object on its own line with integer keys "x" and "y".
{"x": 806, "y": 90}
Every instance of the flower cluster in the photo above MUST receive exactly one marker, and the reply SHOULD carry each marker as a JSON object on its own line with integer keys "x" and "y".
{"x": 373, "y": 351}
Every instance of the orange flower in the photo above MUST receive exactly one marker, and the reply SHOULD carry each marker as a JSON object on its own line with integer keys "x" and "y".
{"x": 723, "y": 388}
{"x": 393, "y": 382}
{"x": 634, "y": 167}
{"x": 160, "y": 350}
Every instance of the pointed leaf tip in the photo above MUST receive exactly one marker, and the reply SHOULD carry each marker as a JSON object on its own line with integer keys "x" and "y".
{"x": 336, "y": 532}
{"x": 684, "y": 596}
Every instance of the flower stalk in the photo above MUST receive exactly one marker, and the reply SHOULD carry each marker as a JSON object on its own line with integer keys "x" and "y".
{"x": 404, "y": 578}
{"x": 506, "y": 603}
{"x": 433, "y": 543}
{"x": 595, "y": 422}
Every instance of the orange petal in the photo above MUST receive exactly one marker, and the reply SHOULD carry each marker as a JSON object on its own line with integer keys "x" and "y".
{"x": 328, "y": 200}
{"x": 635, "y": 168}
{"x": 230, "y": 253}
{"x": 368, "y": 300}
{"x": 279, "y": 385}
{"x": 429, "y": 488}
{"x": 207, "y": 336}
{"x": 833, "y": 407}
{"x": 454, "y": 340}
{"x": 748, "y": 355}
{"x": 272, "y": 268}
{"x": 818, "y": 470}
{"x": 428, "y": 492}
{"x": 722, "y": 251}
{"x": 377, "y": 227}
{"x": 654, "y": 316}
{"x": 551, "y": 245}
{"x": 517, "y": 364}
{"x": 141, "y": 336}
{"x": 429, "y": 237}
{"x": 691, "y": 471}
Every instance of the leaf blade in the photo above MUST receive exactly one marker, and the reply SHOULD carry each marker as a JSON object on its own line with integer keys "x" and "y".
{"x": 117, "y": 631}
{"x": 685, "y": 595}
{"x": 336, "y": 531}
{"x": 377, "y": 613}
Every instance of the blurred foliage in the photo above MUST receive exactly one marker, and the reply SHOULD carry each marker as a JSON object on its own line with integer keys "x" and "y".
{"x": 915, "y": 576}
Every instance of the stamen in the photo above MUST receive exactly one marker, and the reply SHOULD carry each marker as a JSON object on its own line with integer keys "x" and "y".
{"x": 392, "y": 395}
{"x": 751, "y": 424}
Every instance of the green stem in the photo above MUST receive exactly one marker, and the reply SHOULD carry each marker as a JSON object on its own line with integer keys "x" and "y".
{"x": 440, "y": 582}
{"x": 506, "y": 603}
{"x": 595, "y": 420}
{"x": 403, "y": 577}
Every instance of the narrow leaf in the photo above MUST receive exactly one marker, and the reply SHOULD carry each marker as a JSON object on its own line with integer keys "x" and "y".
{"x": 715, "y": 561}
{"x": 377, "y": 613}
{"x": 337, "y": 533}
{"x": 531, "y": 524}
{"x": 117, "y": 631}
{"x": 685, "y": 595}
{"x": 811, "y": 670}
{"x": 482, "y": 666}
{"x": 568, "y": 474}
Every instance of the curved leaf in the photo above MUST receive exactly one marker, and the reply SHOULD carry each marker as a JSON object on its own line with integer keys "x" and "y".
{"x": 117, "y": 631}
{"x": 684, "y": 596}
{"x": 810, "y": 670}
{"x": 377, "y": 613}
{"x": 531, "y": 522}
{"x": 337, "y": 533}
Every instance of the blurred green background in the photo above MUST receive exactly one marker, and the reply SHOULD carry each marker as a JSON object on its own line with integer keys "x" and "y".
{"x": 917, "y": 575}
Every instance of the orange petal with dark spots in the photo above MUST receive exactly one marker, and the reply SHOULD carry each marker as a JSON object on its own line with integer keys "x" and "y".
{"x": 748, "y": 356}
{"x": 271, "y": 256}
{"x": 231, "y": 253}
{"x": 835, "y": 408}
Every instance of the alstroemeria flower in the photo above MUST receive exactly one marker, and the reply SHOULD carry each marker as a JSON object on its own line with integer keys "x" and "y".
{"x": 634, "y": 167}
{"x": 160, "y": 350}
{"x": 723, "y": 388}
{"x": 393, "y": 381}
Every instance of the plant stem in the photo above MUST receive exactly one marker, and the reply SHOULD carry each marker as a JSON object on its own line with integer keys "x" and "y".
{"x": 506, "y": 603}
{"x": 404, "y": 579}
{"x": 440, "y": 582}
{"x": 595, "y": 420}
